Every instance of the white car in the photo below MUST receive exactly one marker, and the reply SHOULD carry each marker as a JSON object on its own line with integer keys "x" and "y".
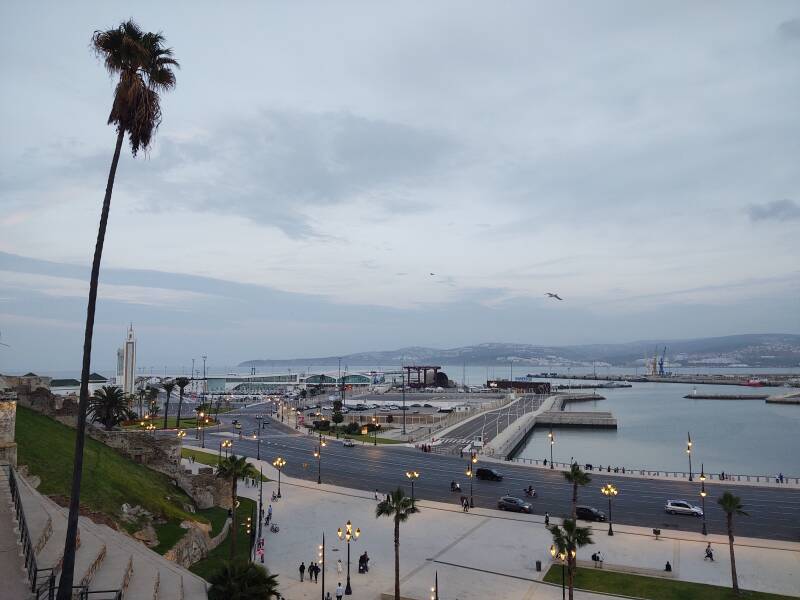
{"x": 348, "y": 443}
{"x": 682, "y": 507}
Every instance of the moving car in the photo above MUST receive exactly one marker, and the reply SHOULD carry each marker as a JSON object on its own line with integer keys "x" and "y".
{"x": 488, "y": 474}
{"x": 589, "y": 513}
{"x": 348, "y": 443}
{"x": 514, "y": 504}
{"x": 682, "y": 507}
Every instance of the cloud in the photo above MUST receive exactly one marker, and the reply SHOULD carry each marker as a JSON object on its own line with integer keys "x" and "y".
{"x": 778, "y": 210}
{"x": 790, "y": 29}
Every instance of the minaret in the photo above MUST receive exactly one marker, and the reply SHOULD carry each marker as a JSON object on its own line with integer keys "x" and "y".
{"x": 129, "y": 362}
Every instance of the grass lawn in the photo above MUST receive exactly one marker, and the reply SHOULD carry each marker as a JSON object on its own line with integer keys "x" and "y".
{"x": 187, "y": 423}
{"x": 216, "y": 516}
{"x": 369, "y": 439}
{"x": 207, "y": 458}
{"x": 213, "y": 561}
{"x": 652, "y": 588}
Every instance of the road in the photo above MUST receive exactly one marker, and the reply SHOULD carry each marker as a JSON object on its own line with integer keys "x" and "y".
{"x": 773, "y": 511}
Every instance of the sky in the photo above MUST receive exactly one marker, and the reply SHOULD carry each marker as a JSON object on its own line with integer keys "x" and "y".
{"x": 339, "y": 177}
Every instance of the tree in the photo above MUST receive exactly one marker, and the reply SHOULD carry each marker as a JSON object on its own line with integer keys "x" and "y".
{"x": 181, "y": 382}
{"x": 168, "y": 386}
{"x": 732, "y": 505}
{"x": 145, "y": 69}
{"x": 142, "y": 394}
{"x": 109, "y": 406}
{"x": 567, "y": 539}
{"x": 233, "y": 469}
{"x": 337, "y": 417}
{"x": 399, "y": 507}
{"x": 576, "y": 476}
{"x": 242, "y": 580}
{"x": 152, "y": 397}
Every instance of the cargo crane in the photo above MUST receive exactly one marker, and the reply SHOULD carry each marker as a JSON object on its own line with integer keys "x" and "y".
{"x": 654, "y": 363}
{"x": 661, "y": 371}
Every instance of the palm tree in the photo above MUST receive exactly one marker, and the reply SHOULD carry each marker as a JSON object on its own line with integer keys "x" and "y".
{"x": 168, "y": 387}
{"x": 181, "y": 382}
{"x": 233, "y": 469}
{"x": 576, "y": 476}
{"x": 242, "y": 580}
{"x": 145, "y": 68}
{"x": 567, "y": 539}
{"x": 399, "y": 507}
{"x": 109, "y": 406}
{"x": 152, "y": 395}
{"x": 142, "y": 393}
{"x": 732, "y": 505}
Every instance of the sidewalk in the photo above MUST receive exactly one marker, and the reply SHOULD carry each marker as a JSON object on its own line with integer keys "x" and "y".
{"x": 484, "y": 553}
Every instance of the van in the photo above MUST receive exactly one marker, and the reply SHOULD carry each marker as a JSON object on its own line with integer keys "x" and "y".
{"x": 488, "y": 474}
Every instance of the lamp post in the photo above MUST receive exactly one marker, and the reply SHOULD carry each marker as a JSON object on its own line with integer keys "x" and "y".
{"x": 689, "y": 452}
{"x": 703, "y": 494}
{"x": 348, "y": 534}
{"x": 321, "y": 561}
{"x": 200, "y": 415}
{"x": 203, "y": 432}
{"x": 257, "y": 438}
{"x": 435, "y": 588}
{"x": 413, "y": 476}
{"x": 473, "y": 459}
{"x": 552, "y": 439}
{"x": 404, "y": 403}
{"x": 279, "y": 463}
{"x": 562, "y": 556}
{"x": 318, "y": 456}
{"x": 609, "y": 491}
{"x": 181, "y": 434}
{"x": 223, "y": 444}
{"x": 470, "y": 474}
{"x": 375, "y": 430}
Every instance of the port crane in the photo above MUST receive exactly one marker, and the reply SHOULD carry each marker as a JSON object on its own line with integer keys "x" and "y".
{"x": 661, "y": 371}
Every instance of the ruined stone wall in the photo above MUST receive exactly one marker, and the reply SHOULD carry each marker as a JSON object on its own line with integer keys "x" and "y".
{"x": 8, "y": 416}
{"x": 158, "y": 453}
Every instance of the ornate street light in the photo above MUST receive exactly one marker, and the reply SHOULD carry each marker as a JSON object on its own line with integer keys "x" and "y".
{"x": 562, "y": 556}
{"x": 413, "y": 476}
{"x": 279, "y": 463}
{"x": 473, "y": 459}
{"x": 318, "y": 456}
{"x": 689, "y": 453}
{"x": 348, "y": 535}
{"x": 552, "y": 439}
{"x": 609, "y": 491}
{"x": 469, "y": 473}
{"x": 703, "y": 494}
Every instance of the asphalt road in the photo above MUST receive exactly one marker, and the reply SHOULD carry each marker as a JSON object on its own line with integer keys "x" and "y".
{"x": 773, "y": 511}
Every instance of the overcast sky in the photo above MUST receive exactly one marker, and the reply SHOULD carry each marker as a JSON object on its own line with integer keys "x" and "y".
{"x": 317, "y": 161}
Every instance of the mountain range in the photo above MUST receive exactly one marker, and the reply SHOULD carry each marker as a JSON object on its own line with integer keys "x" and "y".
{"x": 747, "y": 350}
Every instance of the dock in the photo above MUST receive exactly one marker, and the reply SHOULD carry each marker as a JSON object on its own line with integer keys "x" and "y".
{"x": 593, "y": 420}
{"x": 727, "y": 396}
{"x": 793, "y": 398}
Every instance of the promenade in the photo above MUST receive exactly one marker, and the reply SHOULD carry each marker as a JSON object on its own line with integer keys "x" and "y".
{"x": 485, "y": 553}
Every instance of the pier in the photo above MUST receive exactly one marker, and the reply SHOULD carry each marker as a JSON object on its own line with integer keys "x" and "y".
{"x": 583, "y": 420}
{"x": 767, "y": 380}
{"x": 727, "y": 396}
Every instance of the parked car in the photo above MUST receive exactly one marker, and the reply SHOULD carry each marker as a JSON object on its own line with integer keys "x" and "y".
{"x": 348, "y": 443}
{"x": 488, "y": 474}
{"x": 682, "y": 507}
{"x": 514, "y": 504}
{"x": 589, "y": 513}
{"x": 416, "y": 405}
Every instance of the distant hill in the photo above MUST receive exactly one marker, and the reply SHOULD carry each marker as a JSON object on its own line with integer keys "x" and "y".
{"x": 752, "y": 350}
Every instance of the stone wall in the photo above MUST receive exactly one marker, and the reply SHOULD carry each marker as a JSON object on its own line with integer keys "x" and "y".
{"x": 61, "y": 408}
{"x": 195, "y": 544}
{"x": 8, "y": 416}
{"x": 206, "y": 489}
{"x": 162, "y": 454}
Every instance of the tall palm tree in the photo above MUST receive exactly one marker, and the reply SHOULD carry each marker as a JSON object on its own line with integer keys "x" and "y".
{"x": 168, "y": 386}
{"x": 109, "y": 406}
{"x": 399, "y": 507}
{"x": 145, "y": 69}
{"x": 233, "y": 469}
{"x": 568, "y": 539}
{"x": 142, "y": 394}
{"x": 242, "y": 580}
{"x": 152, "y": 397}
{"x": 576, "y": 476}
{"x": 732, "y": 505}
{"x": 181, "y": 382}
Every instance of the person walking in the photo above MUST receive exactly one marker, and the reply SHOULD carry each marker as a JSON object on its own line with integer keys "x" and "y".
{"x": 317, "y": 569}
{"x": 376, "y": 494}
{"x": 269, "y": 513}
{"x": 547, "y": 519}
{"x": 339, "y": 567}
{"x": 302, "y": 570}
{"x": 339, "y": 591}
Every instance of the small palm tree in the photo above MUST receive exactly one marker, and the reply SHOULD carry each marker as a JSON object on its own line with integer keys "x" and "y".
{"x": 145, "y": 69}
{"x": 181, "y": 382}
{"x": 109, "y": 406}
{"x": 399, "y": 507}
{"x": 142, "y": 394}
{"x": 732, "y": 505}
{"x": 233, "y": 469}
{"x": 567, "y": 539}
{"x": 152, "y": 396}
{"x": 242, "y": 580}
{"x": 167, "y": 386}
{"x": 576, "y": 476}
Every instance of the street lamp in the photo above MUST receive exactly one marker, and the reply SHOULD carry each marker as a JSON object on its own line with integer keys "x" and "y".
{"x": 181, "y": 434}
{"x": 279, "y": 463}
{"x": 321, "y": 561}
{"x": 435, "y": 588}
{"x": 552, "y": 441}
{"x": 689, "y": 452}
{"x": 562, "y": 556}
{"x": 203, "y": 433}
{"x": 413, "y": 476}
{"x": 223, "y": 444}
{"x": 609, "y": 491}
{"x": 200, "y": 415}
{"x": 473, "y": 460}
{"x": 374, "y": 430}
{"x": 348, "y": 534}
{"x": 318, "y": 456}
{"x": 469, "y": 474}
{"x": 257, "y": 438}
{"x": 703, "y": 494}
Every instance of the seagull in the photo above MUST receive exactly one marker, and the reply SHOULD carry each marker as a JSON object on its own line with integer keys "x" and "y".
{"x": 551, "y": 295}
{"x": 432, "y": 274}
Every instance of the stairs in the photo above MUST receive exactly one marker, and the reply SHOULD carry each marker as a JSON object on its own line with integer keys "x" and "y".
{"x": 13, "y": 578}
{"x": 106, "y": 559}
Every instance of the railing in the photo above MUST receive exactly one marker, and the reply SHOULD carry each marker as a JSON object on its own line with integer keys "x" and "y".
{"x": 639, "y": 472}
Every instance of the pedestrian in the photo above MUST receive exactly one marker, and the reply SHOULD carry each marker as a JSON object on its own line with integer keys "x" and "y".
{"x": 339, "y": 567}
{"x": 547, "y": 519}
{"x": 339, "y": 591}
{"x": 376, "y": 494}
{"x": 668, "y": 568}
{"x": 316, "y": 572}
{"x": 709, "y": 553}
{"x": 269, "y": 511}
{"x": 328, "y": 596}
{"x": 781, "y": 476}
{"x": 302, "y": 570}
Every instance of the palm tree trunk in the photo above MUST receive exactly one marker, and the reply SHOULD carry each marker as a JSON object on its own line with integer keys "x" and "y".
{"x": 574, "y": 501}
{"x": 166, "y": 411}
{"x": 233, "y": 517}
{"x": 68, "y": 562}
{"x": 734, "y": 578}
{"x": 396, "y": 559}
{"x": 571, "y": 565}
{"x": 180, "y": 402}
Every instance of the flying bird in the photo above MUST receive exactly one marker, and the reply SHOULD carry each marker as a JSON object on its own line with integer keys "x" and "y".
{"x": 432, "y": 274}
{"x": 551, "y": 295}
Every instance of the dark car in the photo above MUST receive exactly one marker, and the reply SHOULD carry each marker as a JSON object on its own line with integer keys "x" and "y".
{"x": 488, "y": 474}
{"x": 589, "y": 513}
{"x": 514, "y": 504}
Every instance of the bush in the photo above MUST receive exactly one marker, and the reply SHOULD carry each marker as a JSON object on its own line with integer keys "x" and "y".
{"x": 352, "y": 428}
